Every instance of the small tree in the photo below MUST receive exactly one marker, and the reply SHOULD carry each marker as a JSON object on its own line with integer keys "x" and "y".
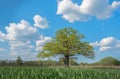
{"x": 19, "y": 61}
{"x": 67, "y": 42}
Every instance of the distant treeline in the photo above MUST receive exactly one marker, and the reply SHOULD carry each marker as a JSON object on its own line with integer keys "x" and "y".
{"x": 31, "y": 63}
{"x": 108, "y": 61}
{"x": 27, "y": 63}
{"x": 20, "y": 62}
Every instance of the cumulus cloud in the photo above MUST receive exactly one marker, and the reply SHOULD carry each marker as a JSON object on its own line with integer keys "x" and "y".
{"x": 24, "y": 39}
{"x": 40, "y": 22}
{"x": 21, "y": 31}
{"x": 101, "y": 9}
{"x": 20, "y": 36}
{"x": 2, "y": 36}
{"x": 107, "y": 44}
{"x": 41, "y": 42}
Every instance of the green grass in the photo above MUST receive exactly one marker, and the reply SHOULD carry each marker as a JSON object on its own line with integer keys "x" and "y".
{"x": 58, "y": 73}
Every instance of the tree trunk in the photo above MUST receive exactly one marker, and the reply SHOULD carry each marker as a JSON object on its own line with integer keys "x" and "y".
{"x": 67, "y": 60}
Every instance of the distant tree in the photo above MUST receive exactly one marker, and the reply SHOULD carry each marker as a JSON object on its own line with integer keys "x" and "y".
{"x": 31, "y": 63}
{"x": 19, "y": 61}
{"x": 83, "y": 64}
{"x": 12, "y": 63}
{"x": 108, "y": 61}
{"x": 3, "y": 62}
{"x": 67, "y": 42}
{"x": 49, "y": 63}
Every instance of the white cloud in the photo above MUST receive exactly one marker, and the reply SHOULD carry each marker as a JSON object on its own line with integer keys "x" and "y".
{"x": 23, "y": 39}
{"x": 21, "y": 47}
{"x": 108, "y": 44}
{"x": 40, "y": 22}
{"x": 41, "y": 42}
{"x": 108, "y": 41}
{"x": 101, "y": 9}
{"x": 21, "y": 36}
{"x": 104, "y": 48}
{"x": 115, "y": 4}
{"x": 14, "y": 55}
{"x": 21, "y": 31}
{"x": 2, "y": 36}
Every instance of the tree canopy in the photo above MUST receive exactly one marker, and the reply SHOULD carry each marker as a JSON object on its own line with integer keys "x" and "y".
{"x": 19, "y": 61}
{"x": 67, "y": 42}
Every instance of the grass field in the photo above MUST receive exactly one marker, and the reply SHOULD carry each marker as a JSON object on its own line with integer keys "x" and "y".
{"x": 58, "y": 73}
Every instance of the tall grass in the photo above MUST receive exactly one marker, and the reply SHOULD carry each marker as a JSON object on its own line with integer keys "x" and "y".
{"x": 57, "y": 73}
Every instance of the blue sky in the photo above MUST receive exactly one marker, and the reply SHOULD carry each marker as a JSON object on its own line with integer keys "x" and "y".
{"x": 26, "y": 25}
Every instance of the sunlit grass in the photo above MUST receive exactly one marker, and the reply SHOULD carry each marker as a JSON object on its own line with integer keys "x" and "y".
{"x": 58, "y": 73}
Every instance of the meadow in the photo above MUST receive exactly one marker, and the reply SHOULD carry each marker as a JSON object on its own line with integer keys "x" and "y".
{"x": 58, "y": 73}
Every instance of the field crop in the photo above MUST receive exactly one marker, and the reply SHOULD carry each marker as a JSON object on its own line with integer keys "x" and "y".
{"x": 58, "y": 73}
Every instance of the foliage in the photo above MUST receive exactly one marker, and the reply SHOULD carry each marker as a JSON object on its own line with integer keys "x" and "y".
{"x": 67, "y": 42}
{"x": 49, "y": 63}
{"x": 31, "y": 63}
{"x": 108, "y": 61}
{"x": 57, "y": 73}
{"x": 84, "y": 64}
{"x": 19, "y": 61}
{"x": 28, "y": 63}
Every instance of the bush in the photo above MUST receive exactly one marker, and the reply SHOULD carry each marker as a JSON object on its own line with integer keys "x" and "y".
{"x": 108, "y": 61}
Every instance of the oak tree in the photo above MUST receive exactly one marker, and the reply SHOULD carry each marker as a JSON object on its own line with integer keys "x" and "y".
{"x": 67, "y": 42}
